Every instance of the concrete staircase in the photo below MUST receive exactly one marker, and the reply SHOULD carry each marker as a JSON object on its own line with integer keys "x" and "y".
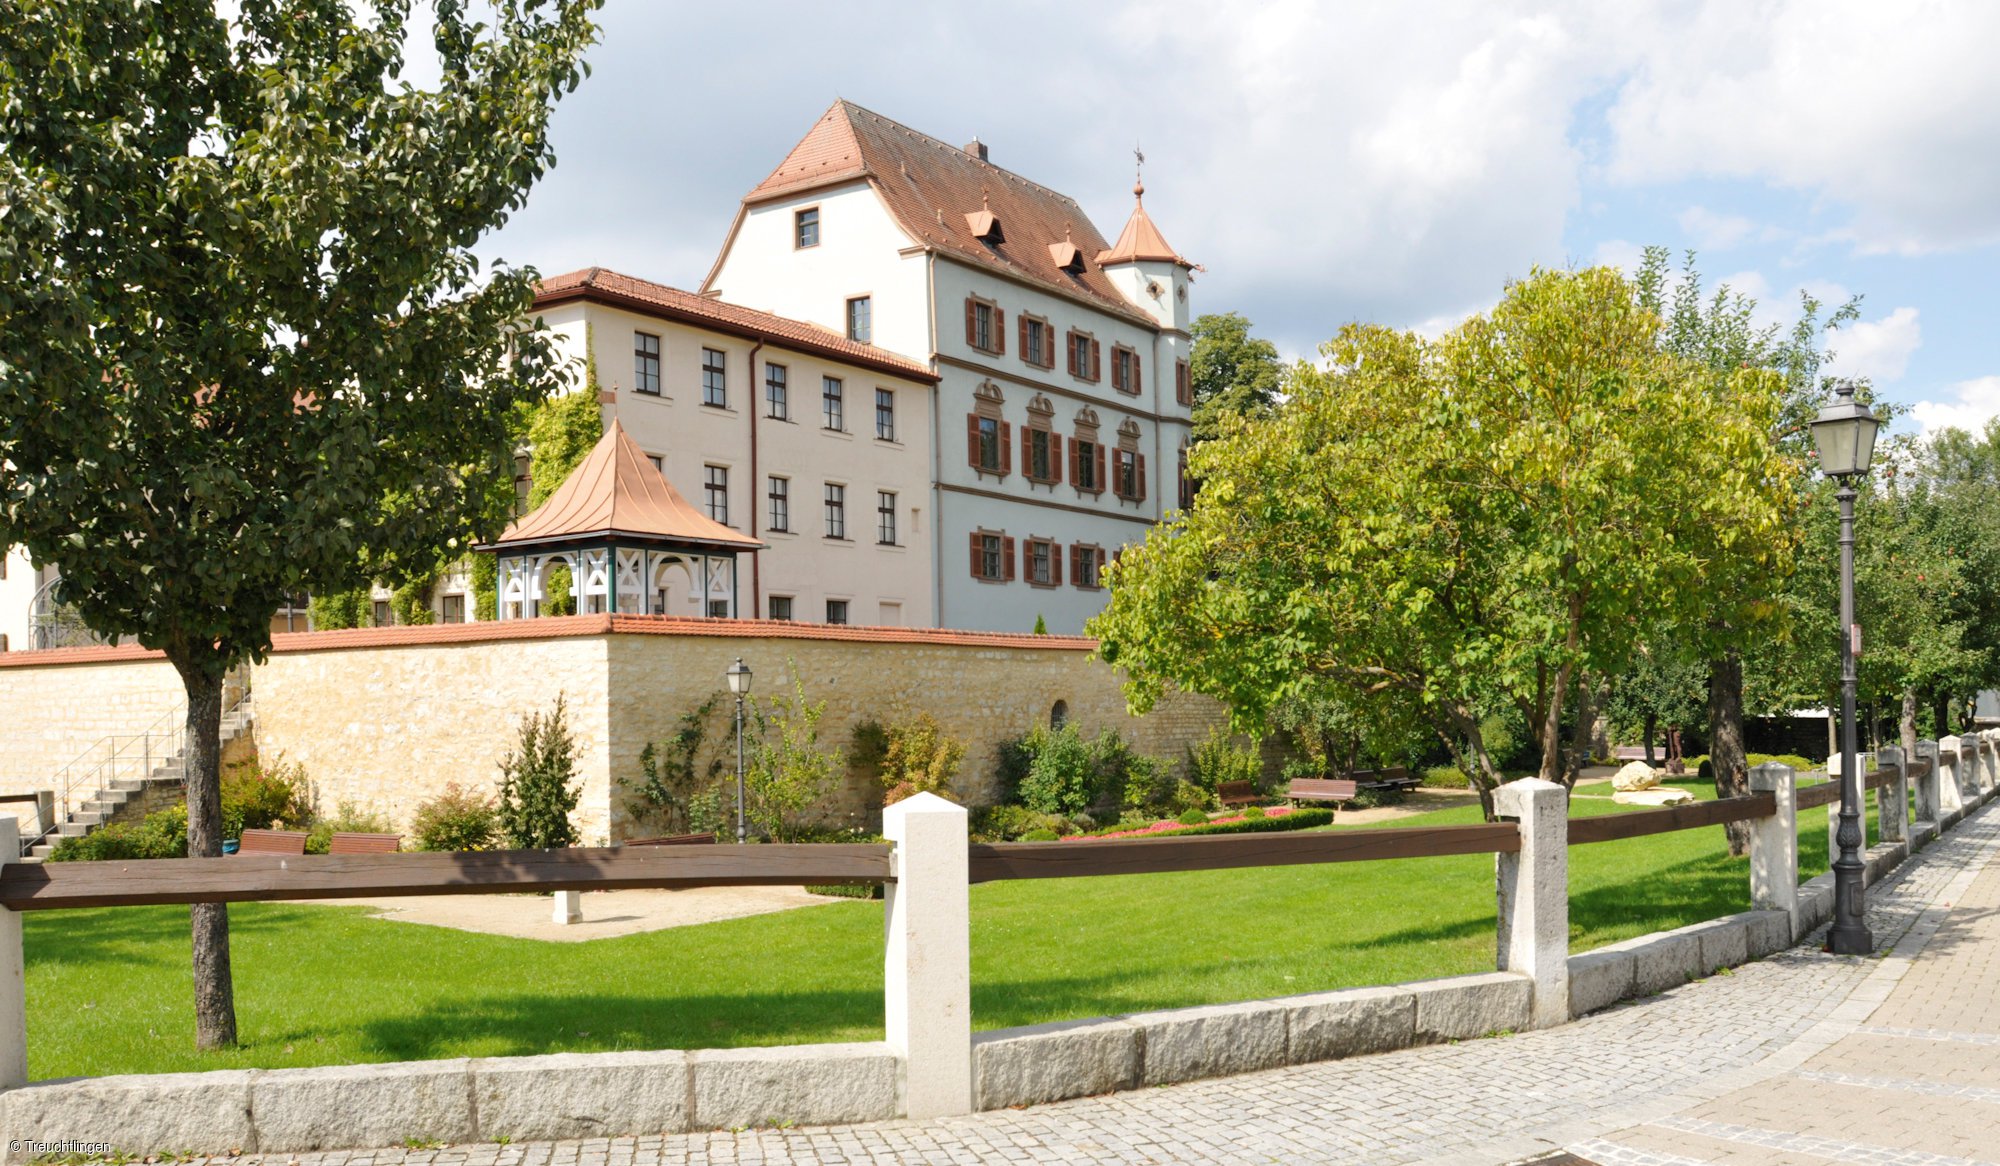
{"x": 117, "y": 792}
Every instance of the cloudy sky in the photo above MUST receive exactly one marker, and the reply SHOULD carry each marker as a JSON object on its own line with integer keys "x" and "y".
{"x": 1394, "y": 162}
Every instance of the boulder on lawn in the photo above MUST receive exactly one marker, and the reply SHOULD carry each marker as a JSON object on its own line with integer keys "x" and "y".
{"x": 1658, "y": 796}
{"x": 1635, "y": 776}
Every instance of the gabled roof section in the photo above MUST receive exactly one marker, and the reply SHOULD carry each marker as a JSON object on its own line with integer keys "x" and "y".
{"x": 604, "y": 286}
{"x": 616, "y": 493}
{"x": 940, "y": 196}
{"x": 1140, "y": 240}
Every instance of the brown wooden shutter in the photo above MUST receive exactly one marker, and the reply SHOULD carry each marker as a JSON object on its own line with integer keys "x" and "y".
{"x": 1055, "y": 457}
{"x": 1136, "y": 380}
{"x": 1022, "y": 324}
{"x": 1141, "y": 477}
{"x": 976, "y": 564}
{"x": 971, "y": 328}
{"x": 1007, "y": 559}
{"x": 1006, "y": 447}
{"x": 1096, "y": 361}
{"x": 1028, "y": 452}
{"x": 999, "y": 332}
{"x": 1072, "y": 463}
{"x": 1075, "y": 559}
{"x": 1055, "y": 563}
{"x": 972, "y": 440}
{"x": 1099, "y": 482}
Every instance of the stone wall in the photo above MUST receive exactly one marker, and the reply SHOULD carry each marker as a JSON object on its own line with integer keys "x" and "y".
{"x": 60, "y": 705}
{"x": 386, "y": 717}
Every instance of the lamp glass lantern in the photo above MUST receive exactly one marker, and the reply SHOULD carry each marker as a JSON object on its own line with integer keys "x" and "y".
{"x": 1844, "y": 433}
{"x": 739, "y": 678}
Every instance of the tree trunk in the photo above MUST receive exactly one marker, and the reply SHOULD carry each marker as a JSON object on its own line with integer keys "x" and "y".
{"x": 1941, "y": 716}
{"x": 214, "y": 990}
{"x": 1725, "y": 739}
{"x": 1906, "y": 728}
{"x": 1582, "y": 736}
{"x": 1652, "y": 726}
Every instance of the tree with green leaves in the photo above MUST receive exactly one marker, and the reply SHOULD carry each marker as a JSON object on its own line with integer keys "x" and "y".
{"x": 246, "y": 349}
{"x": 1750, "y": 602}
{"x": 1459, "y": 525}
{"x": 538, "y": 784}
{"x": 1232, "y": 373}
{"x": 787, "y": 773}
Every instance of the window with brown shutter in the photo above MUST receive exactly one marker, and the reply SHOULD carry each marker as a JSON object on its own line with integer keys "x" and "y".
{"x": 1041, "y": 563}
{"x": 1124, "y": 369}
{"x": 1183, "y": 384}
{"x": 985, "y": 326}
{"x": 988, "y": 447}
{"x": 1096, "y": 361}
{"x": 992, "y": 556}
{"x": 1083, "y": 353}
{"x": 1041, "y": 455}
{"x": 1084, "y": 561}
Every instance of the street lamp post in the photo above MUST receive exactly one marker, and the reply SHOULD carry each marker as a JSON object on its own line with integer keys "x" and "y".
{"x": 1844, "y": 433}
{"x": 739, "y": 684}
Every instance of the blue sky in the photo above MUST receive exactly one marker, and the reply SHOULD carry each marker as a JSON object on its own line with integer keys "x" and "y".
{"x": 1388, "y": 162}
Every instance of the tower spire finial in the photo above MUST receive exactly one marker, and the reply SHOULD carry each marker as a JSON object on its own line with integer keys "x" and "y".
{"x": 1138, "y": 171}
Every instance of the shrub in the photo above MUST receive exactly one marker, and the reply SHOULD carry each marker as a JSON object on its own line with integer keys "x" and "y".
{"x": 1038, "y": 836}
{"x": 1302, "y": 819}
{"x": 348, "y": 820}
{"x": 1253, "y": 813}
{"x": 1060, "y": 777}
{"x": 1192, "y": 817}
{"x": 918, "y": 757}
{"x": 538, "y": 786}
{"x": 845, "y": 890}
{"x": 674, "y": 788}
{"x": 257, "y": 798}
{"x": 1149, "y": 787}
{"x": 1446, "y": 777}
{"x": 457, "y": 819}
{"x": 1009, "y": 823}
{"x": 161, "y": 834}
{"x": 787, "y": 774}
{"x": 1187, "y": 797}
{"x": 1217, "y": 760}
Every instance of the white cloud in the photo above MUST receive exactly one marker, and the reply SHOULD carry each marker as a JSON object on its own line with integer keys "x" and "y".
{"x": 1877, "y": 349}
{"x": 1976, "y": 402}
{"x": 1709, "y": 231}
{"x": 1893, "y": 111}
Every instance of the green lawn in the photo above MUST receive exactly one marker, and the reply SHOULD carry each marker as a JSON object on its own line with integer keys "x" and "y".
{"x": 109, "y": 990}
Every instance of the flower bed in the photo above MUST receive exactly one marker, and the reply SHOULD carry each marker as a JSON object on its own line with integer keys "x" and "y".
{"x": 1278, "y": 818}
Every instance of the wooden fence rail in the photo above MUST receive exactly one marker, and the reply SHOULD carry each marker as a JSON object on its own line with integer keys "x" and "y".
{"x": 1828, "y": 792}
{"x": 246, "y": 878}
{"x": 1110, "y": 856}
{"x": 1611, "y": 827}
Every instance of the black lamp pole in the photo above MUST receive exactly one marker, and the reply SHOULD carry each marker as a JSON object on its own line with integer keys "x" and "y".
{"x": 1844, "y": 433}
{"x": 738, "y": 676}
{"x": 1849, "y": 934}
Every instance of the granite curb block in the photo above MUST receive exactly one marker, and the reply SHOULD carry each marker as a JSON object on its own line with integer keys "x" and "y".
{"x": 1054, "y": 1062}
{"x": 795, "y": 1084}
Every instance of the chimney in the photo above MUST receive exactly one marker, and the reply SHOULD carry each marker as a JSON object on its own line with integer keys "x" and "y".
{"x": 977, "y": 149}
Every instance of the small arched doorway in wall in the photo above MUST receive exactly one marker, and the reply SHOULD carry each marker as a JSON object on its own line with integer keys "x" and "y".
{"x": 1059, "y": 714}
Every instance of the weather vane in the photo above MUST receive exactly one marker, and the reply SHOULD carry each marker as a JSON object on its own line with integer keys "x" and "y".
{"x": 1139, "y": 165}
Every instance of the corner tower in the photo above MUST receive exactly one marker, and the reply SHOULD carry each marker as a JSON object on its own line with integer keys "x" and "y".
{"x": 1147, "y": 270}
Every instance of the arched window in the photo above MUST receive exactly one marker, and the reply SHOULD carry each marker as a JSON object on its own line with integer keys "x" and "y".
{"x": 1059, "y": 714}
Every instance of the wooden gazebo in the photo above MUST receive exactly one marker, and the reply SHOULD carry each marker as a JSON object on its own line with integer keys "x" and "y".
{"x": 630, "y": 542}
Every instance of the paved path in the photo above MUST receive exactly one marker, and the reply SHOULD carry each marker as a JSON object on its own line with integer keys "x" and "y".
{"x": 1802, "y": 1059}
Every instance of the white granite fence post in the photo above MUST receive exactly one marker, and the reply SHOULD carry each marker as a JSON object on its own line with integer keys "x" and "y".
{"x": 13, "y": 980}
{"x": 1774, "y": 845}
{"x": 1533, "y": 888}
{"x": 1929, "y": 796}
{"x": 1892, "y": 799}
{"x": 927, "y": 987}
{"x": 1951, "y": 799}
{"x": 1989, "y": 740}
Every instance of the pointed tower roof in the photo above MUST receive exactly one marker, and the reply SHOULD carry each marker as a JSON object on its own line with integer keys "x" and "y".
{"x": 1141, "y": 240}
{"x": 617, "y": 494}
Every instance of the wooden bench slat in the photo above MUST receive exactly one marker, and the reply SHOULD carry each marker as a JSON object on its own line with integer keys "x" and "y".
{"x": 672, "y": 840}
{"x": 1236, "y": 793}
{"x": 272, "y": 842}
{"x": 361, "y": 843}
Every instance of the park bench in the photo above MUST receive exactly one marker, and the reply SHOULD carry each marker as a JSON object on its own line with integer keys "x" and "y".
{"x": 365, "y": 844}
{"x": 272, "y": 842}
{"x": 1319, "y": 789}
{"x": 672, "y": 840}
{"x": 1396, "y": 778}
{"x": 1236, "y": 793}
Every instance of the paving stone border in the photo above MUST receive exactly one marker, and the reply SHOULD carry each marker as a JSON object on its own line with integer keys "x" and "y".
{"x": 597, "y": 1095}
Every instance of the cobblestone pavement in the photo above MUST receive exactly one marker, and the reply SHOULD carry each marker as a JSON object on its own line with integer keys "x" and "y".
{"x": 1802, "y": 1059}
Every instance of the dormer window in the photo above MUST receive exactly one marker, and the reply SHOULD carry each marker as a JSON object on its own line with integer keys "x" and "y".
{"x": 985, "y": 225}
{"x": 1067, "y": 255}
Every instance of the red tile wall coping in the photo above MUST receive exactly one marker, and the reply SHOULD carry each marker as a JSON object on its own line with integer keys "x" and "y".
{"x": 572, "y": 626}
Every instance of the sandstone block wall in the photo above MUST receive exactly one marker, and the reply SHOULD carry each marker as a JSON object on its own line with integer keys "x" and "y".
{"x": 60, "y": 705}
{"x": 386, "y": 718}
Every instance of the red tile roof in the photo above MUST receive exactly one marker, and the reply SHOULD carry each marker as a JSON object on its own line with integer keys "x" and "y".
{"x": 936, "y": 192}
{"x": 578, "y": 626}
{"x": 1141, "y": 240}
{"x": 616, "y": 491}
{"x": 601, "y": 285}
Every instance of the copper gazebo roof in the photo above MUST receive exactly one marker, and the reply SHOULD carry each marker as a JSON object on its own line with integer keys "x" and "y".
{"x": 616, "y": 495}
